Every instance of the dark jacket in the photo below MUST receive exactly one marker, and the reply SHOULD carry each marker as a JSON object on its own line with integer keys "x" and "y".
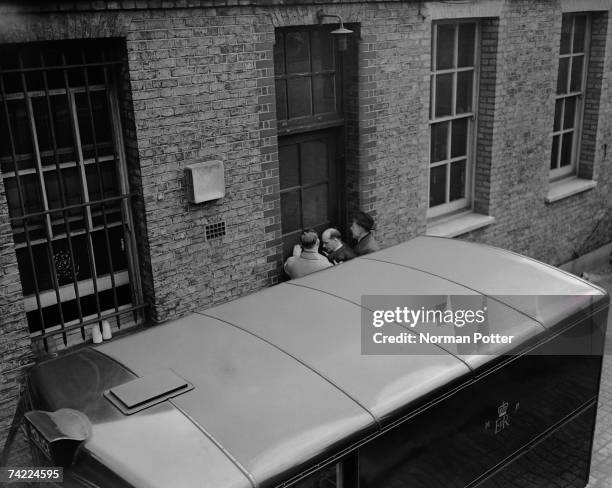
{"x": 366, "y": 244}
{"x": 341, "y": 254}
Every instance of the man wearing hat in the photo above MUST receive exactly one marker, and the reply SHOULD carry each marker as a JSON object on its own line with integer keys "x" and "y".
{"x": 361, "y": 228}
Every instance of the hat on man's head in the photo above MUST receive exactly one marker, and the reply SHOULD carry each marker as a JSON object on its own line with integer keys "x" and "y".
{"x": 364, "y": 220}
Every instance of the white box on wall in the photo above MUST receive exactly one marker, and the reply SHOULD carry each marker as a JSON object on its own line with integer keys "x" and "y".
{"x": 205, "y": 181}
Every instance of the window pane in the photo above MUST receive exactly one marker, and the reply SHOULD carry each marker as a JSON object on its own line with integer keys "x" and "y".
{"x": 566, "y": 34}
{"x": 314, "y": 162}
{"x": 299, "y": 97}
{"x": 281, "y": 100}
{"x": 576, "y": 83}
{"x": 324, "y": 95}
{"x": 579, "y": 33}
{"x": 444, "y": 94}
{"x": 464, "y": 92}
{"x": 288, "y": 166}
{"x": 315, "y": 205}
{"x": 279, "y": 53}
{"x": 100, "y": 120}
{"x": 554, "y": 153}
{"x": 558, "y": 111}
{"x": 56, "y": 132}
{"x": 457, "y": 180}
{"x": 562, "y": 76}
{"x": 20, "y": 129}
{"x": 439, "y": 141}
{"x": 290, "y": 211}
{"x": 566, "y": 149}
{"x": 570, "y": 109}
{"x": 459, "y": 138}
{"x": 445, "y": 46}
{"x": 466, "y": 45}
{"x": 322, "y": 51}
{"x": 298, "y": 52}
{"x": 437, "y": 185}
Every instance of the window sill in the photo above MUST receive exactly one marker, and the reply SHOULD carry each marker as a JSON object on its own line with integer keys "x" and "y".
{"x": 567, "y": 187}
{"x": 457, "y": 224}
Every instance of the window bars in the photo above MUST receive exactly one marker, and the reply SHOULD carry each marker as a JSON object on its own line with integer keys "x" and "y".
{"x": 64, "y": 172}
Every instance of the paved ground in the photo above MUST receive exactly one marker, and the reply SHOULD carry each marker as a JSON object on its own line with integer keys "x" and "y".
{"x": 601, "y": 464}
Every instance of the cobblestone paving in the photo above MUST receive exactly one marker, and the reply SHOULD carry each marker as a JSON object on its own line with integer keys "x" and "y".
{"x": 601, "y": 463}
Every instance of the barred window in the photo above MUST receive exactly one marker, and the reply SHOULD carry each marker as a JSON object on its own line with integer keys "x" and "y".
{"x": 63, "y": 168}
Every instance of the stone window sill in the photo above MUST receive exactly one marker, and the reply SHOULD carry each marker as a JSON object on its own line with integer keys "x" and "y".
{"x": 567, "y": 187}
{"x": 457, "y": 224}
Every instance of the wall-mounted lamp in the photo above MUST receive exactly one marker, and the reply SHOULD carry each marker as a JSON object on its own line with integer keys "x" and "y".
{"x": 341, "y": 32}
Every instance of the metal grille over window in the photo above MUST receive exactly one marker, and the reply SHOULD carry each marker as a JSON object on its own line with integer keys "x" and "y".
{"x": 571, "y": 80}
{"x": 63, "y": 168}
{"x": 215, "y": 230}
{"x": 453, "y": 75}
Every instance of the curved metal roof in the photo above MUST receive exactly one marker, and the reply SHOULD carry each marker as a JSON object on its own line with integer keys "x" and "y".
{"x": 279, "y": 376}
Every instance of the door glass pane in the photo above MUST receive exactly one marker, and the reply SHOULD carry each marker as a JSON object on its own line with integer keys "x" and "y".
{"x": 290, "y": 211}
{"x": 324, "y": 95}
{"x": 566, "y": 149}
{"x": 568, "y": 116}
{"x": 566, "y": 34}
{"x": 439, "y": 141}
{"x": 467, "y": 34}
{"x": 555, "y": 152}
{"x": 579, "y": 33}
{"x": 437, "y": 185}
{"x": 322, "y": 51}
{"x": 445, "y": 46}
{"x": 298, "y": 52}
{"x": 457, "y": 180}
{"x": 464, "y": 92}
{"x": 279, "y": 53}
{"x": 288, "y": 166}
{"x": 576, "y": 83}
{"x": 314, "y": 201}
{"x": 562, "y": 76}
{"x": 444, "y": 94}
{"x": 281, "y": 99}
{"x": 299, "y": 97}
{"x": 314, "y": 162}
{"x": 459, "y": 138}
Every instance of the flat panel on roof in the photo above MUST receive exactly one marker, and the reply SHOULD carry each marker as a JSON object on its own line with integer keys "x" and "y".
{"x": 143, "y": 392}
{"x": 244, "y": 385}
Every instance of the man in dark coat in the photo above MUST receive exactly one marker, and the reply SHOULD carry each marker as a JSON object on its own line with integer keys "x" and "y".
{"x": 338, "y": 251}
{"x": 361, "y": 228}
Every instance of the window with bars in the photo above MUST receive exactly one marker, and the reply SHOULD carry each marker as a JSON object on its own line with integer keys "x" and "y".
{"x": 453, "y": 87}
{"x": 63, "y": 169}
{"x": 307, "y": 77}
{"x": 571, "y": 82}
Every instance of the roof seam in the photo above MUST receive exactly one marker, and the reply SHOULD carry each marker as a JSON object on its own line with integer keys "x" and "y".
{"x": 306, "y": 365}
{"x": 219, "y": 446}
{"x": 397, "y": 323}
{"x": 464, "y": 286}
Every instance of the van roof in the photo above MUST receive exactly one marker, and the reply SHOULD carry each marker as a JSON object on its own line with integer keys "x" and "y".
{"x": 279, "y": 377}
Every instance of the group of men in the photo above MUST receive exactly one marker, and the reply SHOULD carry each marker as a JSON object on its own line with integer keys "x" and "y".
{"x": 306, "y": 258}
